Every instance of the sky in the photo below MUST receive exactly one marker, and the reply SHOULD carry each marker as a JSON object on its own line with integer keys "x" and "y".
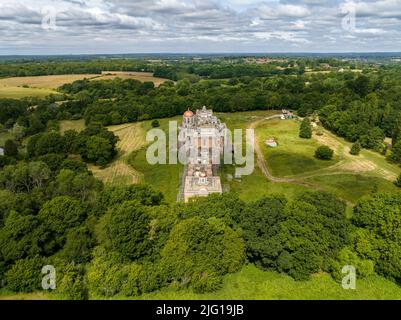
{"x": 198, "y": 26}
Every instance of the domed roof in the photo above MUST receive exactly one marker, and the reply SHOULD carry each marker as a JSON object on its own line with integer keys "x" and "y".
{"x": 188, "y": 114}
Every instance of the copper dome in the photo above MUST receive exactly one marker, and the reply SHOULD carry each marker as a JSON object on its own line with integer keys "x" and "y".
{"x": 188, "y": 114}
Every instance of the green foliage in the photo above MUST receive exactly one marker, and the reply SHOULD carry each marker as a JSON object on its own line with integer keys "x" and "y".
{"x": 355, "y": 149}
{"x": 324, "y": 153}
{"x": 44, "y": 143}
{"x": 199, "y": 251}
{"x": 155, "y": 124}
{"x": 78, "y": 246}
{"x": 346, "y": 257}
{"x": 11, "y": 148}
{"x": 99, "y": 151}
{"x": 303, "y": 241}
{"x": 226, "y": 207}
{"x": 398, "y": 181}
{"x": 332, "y": 211}
{"x": 17, "y": 238}
{"x": 297, "y": 237}
{"x": 82, "y": 186}
{"x": 114, "y": 195}
{"x": 24, "y": 177}
{"x": 379, "y": 240}
{"x": 58, "y": 216}
{"x": 260, "y": 221}
{"x": 396, "y": 152}
{"x": 306, "y": 129}
{"x": 128, "y": 230}
{"x": 25, "y": 275}
{"x": 72, "y": 284}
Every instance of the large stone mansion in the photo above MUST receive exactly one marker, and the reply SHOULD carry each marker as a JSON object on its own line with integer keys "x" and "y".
{"x": 202, "y": 139}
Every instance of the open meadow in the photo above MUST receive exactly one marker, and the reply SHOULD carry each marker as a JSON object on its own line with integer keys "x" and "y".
{"x": 42, "y": 86}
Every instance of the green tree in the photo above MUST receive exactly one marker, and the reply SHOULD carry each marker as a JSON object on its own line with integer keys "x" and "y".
{"x": 99, "y": 150}
{"x": 324, "y": 153}
{"x": 199, "y": 252}
{"x": 57, "y": 216}
{"x": 306, "y": 129}
{"x": 10, "y": 148}
{"x": 72, "y": 284}
{"x": 128, "y": 230}
{"x": 155, "y": 124}
{"x": 396, "y": 152}
{"x": 396, "y": 134}
{"x": 25, "y": 275}
{"x": 17, "y": 238}
{"x": 355, "y": 149}
{"x": 303, "y": 239}
{"x": 397, "y": 182}
{"x": 379, "y": 235}
{"x": 78, "y": 246}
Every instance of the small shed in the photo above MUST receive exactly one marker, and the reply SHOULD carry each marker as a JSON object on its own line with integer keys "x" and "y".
{"x": 272, "y": 143}
{"x": 1, "y": 151}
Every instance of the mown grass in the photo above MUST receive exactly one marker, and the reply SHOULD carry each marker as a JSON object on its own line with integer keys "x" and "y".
{"x": 20, "y": 92}
{"x": 352, "y": 187}
{"x": 163, "y": 177}
{"x": 255, "y": 186}
{"x": 77, "y": 125}
{"x": 294, "y": 155}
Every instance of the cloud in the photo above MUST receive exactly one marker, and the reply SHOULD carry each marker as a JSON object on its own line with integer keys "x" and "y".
{"x": 88, "y": 26}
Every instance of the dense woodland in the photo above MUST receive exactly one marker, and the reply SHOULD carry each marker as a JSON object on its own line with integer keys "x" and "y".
{"x": 127, "y": 240}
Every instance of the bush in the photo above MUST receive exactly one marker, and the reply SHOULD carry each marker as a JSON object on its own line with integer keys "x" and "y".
{"x": 25, "y": 275}
{"x": 72, "y": 285}
{"x": 324, "y": 153}
{"x": 364, "y": 268}
{"x": 155, "y": 124}
{"x": 11, "y": 148}
{"x": 306, "y": 129}
{"x": 398, "y": 181}
{"x": 355, "y": 149}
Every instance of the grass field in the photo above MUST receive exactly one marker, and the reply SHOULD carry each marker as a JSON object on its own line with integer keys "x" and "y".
{"x": 8, "y": 92}
{"x": 77, "y": 125}
{"x": 252, "y": 283}
{"x": 132, "y": 138}
{"x": 293, "y": 155}
{"x": 140, "y": 76}
{"x": 42, "y": 86}
{"x": 131, "y": 165}
{"x": 45, "y": 82}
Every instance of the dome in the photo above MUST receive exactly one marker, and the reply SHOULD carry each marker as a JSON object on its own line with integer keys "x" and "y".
{"x": 188, "y": 114}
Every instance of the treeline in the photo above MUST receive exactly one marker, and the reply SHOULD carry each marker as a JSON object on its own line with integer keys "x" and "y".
{"x": 57, "y": 67}
{"x": 126, "y": 241}
{"x": 38, "y": 128}
{"x": 355, "y": 106}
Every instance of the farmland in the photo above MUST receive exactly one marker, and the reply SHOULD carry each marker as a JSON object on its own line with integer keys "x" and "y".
{"x": 42, "y": 86}
{"x": 21, "y": 92}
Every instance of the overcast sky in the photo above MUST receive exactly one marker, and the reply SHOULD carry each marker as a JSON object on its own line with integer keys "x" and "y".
{"x": 201, "y": 26}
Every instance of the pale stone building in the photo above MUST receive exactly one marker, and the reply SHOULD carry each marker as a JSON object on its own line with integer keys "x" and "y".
{"x": 201, "y": 138}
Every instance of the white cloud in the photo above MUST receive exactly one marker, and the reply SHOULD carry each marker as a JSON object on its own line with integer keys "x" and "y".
{"x": 197, "y": 25}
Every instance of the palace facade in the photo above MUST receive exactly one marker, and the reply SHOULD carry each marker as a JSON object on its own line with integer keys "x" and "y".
{"x": 202, "y": 140}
